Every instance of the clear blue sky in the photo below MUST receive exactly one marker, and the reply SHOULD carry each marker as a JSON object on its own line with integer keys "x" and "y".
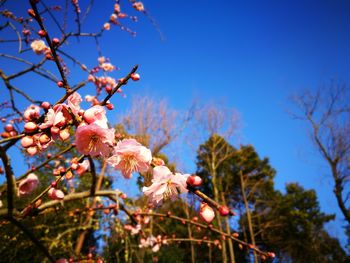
{"x": 251, "y": 54}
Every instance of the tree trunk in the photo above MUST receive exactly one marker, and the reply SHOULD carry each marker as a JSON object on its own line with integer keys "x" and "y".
{"x": 228, "y": 231}
{"x": 249, "y": 219}
{"x": 216, "y": 198}
{"x": 81, "y": 238}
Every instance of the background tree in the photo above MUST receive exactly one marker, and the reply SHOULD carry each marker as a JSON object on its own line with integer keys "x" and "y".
{"x": 327, "y": 112}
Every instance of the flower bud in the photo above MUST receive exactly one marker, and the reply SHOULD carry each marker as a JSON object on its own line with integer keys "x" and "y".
{"x": 27, "y": 141}
{"x": 8, "y": 127}
{"x": 135, "y": 76}
{"x": 55, "y": 194}
{"x": 30, "y": 127}
{"x": 32, "y": 150}
{"x": 224, "y": 210}
{"x": 206, "y": 212}
{"x": 45, "y": 105}
{"x": 64, "y": 134}
{"x": 194, "y": 180}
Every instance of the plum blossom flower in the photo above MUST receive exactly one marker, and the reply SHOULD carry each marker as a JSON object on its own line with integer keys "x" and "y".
{"x": 96, "y": 115}
{"x": 138, "y": 6}
{"x": 165, "y": 185}
{"x": 83, "y": 167}
{"x": 106, "y": 66}
{"x": 39, "y": 46}
{"x": 74, "y": 101}
{"x": 31, "y": 113}
{"x": 94, "y": 140}
{"x": 28, "y": 185}
{"x": 53, "y": 118}
{"x": 101, "y": 60}
{"x": 55, "y": 194}
{"x": 134, "y": 230}
{"x": 206, "y": 212}
{"x": 130, "y": 156}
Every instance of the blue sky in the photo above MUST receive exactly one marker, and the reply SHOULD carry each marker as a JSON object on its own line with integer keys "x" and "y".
{"x": 250, "y": 54}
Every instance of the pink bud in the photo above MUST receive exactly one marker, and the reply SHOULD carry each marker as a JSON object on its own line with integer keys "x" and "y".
{"x": 271, "y": 254}
{"x": 55, "y": 41}
{"x": 194, "y": 180}
{"x": 44, "y": 139}
{"x": 30, "y": 127}
{"x": 45, "y": 105}
{"x": 109, "y": 106}
{"x": 42, "y": 33}
{"x": 8, "y": 127}
{"x": 224, "y": 210}
{"x": 135, "y": 76}
{"x": 27, "y": 141}
{"x": 13, "y": 133}
{"x": 64, "y": 134}
{"x": 55, "y": 130}
{"x": 32, "y": 150}
{"x": 206, "y": 212}
{"x": 5, "y": 135}
{"x": 108, "y": 88}
{"x": 28, "y": 185}
{"x": 59, "y": 84}
{"x": 55, "y": 194}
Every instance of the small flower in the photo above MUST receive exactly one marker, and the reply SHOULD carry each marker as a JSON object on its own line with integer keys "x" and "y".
{"x": 53, "y": 118}
{"x": 138, "y": 6}
{"x": 133, "y": 230}
{"x": 39, "y": 47}
{"x": 206, "y": 212}
{"x": 107, "y": 26}
{"x": 107, "y": 66}
{"x": 83, "y": 167}
{"x": 31, "y": 113}
{"x": 165, "y": 185}
{"x": 94, "y": 140}
{"x": 130, "y": 156}
{"x": 55, "y": 194}
{"x": 74, "y": 101}
{"x": 28, "y": 185}
{"x": 101, "y": 60}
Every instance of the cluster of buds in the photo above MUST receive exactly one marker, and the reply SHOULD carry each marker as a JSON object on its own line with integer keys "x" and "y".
{"x": 38, "y": 135}
{"x": 153, "y": 242}
{"x": 9, "y": 131}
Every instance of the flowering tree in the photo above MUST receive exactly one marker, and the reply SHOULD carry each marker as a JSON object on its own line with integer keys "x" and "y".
{"x": 73, "y": 143}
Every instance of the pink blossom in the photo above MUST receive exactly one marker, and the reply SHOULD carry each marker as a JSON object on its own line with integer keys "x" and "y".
{"x": 134, "y": 230}
{"x": 94, "y": 140}
{"x": 31, "y": 113}
{"x": 165, "y": 185}
{"x": 206, "y": 213}
{"x": 106, "y": 66}
{"x": 28, "y": 185}
{"x": 55, "y": 194}
{"x": 83, "y": 167}
{"x": 74, "y": 101}
{"x": 138, "y": 6}
{"x": 55, "y": 117}
{"x": 38, "y": 46}
{"x": 130, "y": 156}
{"x": 97, "y": 115}
{"x": 101, "y": 60}
{"x": 107, "y": 26}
